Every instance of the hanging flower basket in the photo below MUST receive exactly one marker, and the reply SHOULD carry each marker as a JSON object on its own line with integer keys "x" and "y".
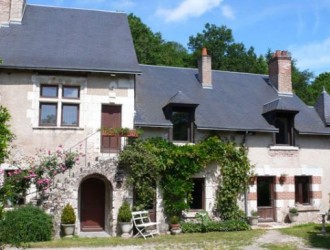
{"x": 121, "y": 132}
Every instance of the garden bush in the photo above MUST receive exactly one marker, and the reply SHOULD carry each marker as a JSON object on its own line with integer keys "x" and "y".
{"x": 215, "y": 226}
{"x": 25, "y": 224}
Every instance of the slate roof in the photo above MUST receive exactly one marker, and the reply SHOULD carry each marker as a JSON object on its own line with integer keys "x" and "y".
{"x": 235, "y": 103}
{"x": 322, "y": 106}
{"x": 53, "y": 38}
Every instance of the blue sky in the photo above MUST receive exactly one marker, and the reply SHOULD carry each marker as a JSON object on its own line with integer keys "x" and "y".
{"x": 299, "y": 26}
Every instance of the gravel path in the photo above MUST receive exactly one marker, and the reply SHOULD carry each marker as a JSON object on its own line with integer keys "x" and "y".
{"x": 275, "y": 237}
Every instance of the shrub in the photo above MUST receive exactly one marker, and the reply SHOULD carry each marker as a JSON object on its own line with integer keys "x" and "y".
{"x": 68, "y": 216}
{"x": 25, "y": 224}
{"x": 293, "y": 210}
{"x": 125, "y": 214}
{"x": 214, "y": 226}
{"x": 174, "y": 220}
{"x": 254, "y": 213}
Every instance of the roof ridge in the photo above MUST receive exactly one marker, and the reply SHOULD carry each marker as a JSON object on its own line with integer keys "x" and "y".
{"x": 75, "y": 8}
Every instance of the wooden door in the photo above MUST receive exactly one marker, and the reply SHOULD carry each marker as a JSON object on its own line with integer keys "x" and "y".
{"x": 92, "y": 207}
{"x": 265, "y": 198}
{"x": 111, "y": 118}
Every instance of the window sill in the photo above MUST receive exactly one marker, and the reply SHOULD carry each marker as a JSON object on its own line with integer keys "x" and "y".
{"x": 307, "y": 208}
{"x": 182, "y": 143}
{"x": 57, "y": 128}
{"x": 191, "y": 213}
{"x": 283, "y": 148}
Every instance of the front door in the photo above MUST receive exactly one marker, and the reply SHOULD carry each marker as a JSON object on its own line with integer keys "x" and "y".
{"x": 92, "y": 207}
{"x": 111, "y": 118}
{"x": 265, "y": 198}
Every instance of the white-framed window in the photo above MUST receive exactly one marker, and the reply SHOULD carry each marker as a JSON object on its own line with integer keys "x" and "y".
{"x": 59, "y": 105}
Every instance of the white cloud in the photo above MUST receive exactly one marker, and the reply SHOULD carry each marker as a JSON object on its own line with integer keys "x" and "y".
{"x": 188, "y": 8}
{"x": 313, "y": 56}
{"x": 228, "y": 12}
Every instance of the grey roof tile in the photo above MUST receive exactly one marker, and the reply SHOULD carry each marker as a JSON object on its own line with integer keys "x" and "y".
{"x": 236, "y": 102}
{"x": 55, "y": 38}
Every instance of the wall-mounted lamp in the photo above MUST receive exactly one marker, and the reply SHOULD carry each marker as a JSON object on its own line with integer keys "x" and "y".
{"x": 119, "y": 178}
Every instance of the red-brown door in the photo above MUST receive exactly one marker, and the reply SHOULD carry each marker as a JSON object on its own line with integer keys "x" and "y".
{"x": 265, "y": 198}
{"x": 111, "y": 118}
{"x": 92, "y": 205}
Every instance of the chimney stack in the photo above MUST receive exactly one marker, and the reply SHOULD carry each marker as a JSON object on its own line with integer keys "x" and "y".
{"x": 279, "y": 69}
{"x": 205, "y": 70}
{"x": 11, "y": 11}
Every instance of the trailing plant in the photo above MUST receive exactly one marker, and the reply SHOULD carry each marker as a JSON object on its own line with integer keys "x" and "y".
{"x": 125, "y": 213}
{"x": 25, "y": 224}
{"x": 156, "y": 160}
{"x": 68, "y": 216}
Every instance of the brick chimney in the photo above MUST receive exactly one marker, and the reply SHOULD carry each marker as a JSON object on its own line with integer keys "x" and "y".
{"x": 205, "y": 70}
{"x": 279, "y": 69}
{"x": 11, "y": 11}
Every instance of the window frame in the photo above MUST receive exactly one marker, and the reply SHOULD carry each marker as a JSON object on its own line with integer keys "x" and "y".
{"x": 71, "y": 87}
{"x": 49, "y": 85}
{"x": 302, "y": 185}
{"x": 41, "y": 103}
{"x": 60, "y": 102}
{"x": 77, "y": 115}
{"x": 201, "y": 192}
{"x": 190, "y": 124}
{"x": 288, "y": 132}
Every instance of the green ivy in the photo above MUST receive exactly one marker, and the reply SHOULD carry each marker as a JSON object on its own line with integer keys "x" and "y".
{"x": 156, "y": 160}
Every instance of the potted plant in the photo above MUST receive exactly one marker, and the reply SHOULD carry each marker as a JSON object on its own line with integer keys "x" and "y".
{"x": 293, "y": 214}
{"x": 253, "y": 219}
{"x": 175, "y": 225}
{"x": 125, "y": 219}
{"x": 68, "y": 220}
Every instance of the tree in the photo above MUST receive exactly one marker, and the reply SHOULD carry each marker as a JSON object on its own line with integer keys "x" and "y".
{"x": 226, "y": 54}
{"x": 152, "y": 49}
{"x": 5, "y": 133}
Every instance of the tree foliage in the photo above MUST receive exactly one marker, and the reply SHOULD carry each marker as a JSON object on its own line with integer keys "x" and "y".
{"x": 5, "y": 133}
{"x": 156, "y": 160}
{"x": 226, "y": 53}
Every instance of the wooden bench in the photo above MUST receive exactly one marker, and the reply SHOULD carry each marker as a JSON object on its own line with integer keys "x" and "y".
{"x": 144, "y": 225}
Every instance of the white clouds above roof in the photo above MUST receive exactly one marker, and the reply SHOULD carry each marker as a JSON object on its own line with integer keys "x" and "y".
{"x": 314, "y": 56}
{"x": 188, "y": 8}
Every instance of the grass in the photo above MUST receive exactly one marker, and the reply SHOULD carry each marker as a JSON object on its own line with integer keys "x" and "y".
{"x": 311, "y": 233}
{"x": 214, "y": 240}
{"x": 279, "y": 246}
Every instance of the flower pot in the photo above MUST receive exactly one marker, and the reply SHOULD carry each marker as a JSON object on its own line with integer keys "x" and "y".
{"x": 68, "y": 230}
{"x": 293, "y": 217}
{"x": 126, "y": 228}
{"x": 253, "y": 220}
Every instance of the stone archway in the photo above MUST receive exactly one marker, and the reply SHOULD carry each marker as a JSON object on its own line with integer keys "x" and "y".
{"x": 95, "y": 208}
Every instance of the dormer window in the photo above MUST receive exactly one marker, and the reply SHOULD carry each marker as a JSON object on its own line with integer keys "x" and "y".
{"x": 285, "y": 135}
{"x": 182, "y": 119}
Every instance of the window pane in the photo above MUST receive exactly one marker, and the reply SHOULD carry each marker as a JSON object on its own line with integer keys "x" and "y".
{"x": 302, "y": 184}
{"x": 70, "y": 92}
{"x": 181, "y": 125}
{"x": 70, "y": 114}
{"x": 49, "y": 91}
{"x": 48, "y": 114}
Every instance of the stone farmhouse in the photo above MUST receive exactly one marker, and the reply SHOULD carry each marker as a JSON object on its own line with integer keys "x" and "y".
{"x": 68, "y": 72}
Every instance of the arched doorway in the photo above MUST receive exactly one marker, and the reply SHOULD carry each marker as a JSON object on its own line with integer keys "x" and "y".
{"x": 92, "y": 205}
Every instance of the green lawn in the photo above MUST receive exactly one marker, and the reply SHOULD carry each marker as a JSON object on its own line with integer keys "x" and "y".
{"x": 311, "y": 233}
{"x": 215, "y": 240}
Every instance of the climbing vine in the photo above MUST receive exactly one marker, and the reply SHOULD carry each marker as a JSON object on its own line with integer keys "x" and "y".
{"x": 156, "y": 160}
